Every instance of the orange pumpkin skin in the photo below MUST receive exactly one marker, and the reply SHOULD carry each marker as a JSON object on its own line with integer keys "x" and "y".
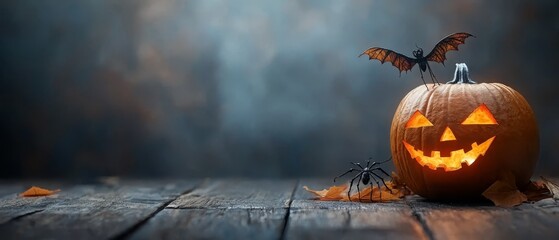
{"x": 515, "y": 145}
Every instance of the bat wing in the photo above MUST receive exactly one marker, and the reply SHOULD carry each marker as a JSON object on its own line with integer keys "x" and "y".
{"x": 448, "y": 43}
{"x": 400, "y": 61}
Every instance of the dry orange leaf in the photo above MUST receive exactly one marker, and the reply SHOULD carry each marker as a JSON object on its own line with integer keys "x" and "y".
{"x": 333, "y": 193}
{"x": 339, "y": 193}
{"x": 536, "y": 190}
{"x": 552, "y": 187}
{"x": 382, "y": 195}
{"x": 504, "y": 193}
{"x": 38, "y": 192}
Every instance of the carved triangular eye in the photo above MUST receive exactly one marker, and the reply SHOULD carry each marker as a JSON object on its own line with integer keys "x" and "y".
{"x": 480, "y": 115}
{"x": 418, "y": 120}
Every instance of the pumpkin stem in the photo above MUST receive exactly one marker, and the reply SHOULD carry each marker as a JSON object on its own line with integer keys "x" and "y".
{"x": 461, "y": 75}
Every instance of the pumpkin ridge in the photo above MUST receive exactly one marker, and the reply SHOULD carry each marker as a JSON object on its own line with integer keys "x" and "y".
{"x": 512, "y": 94}
{"x": 449, "y": 93}
{"x": 427, "y": 113}
{"x": 498, "y": 107}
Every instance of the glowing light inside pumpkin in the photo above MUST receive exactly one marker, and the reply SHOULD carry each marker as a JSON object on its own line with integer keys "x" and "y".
{"x": 480, "y": 115}
{"x": 417, "y": 120}
{"x": 447, "y": 135}
{"x": 454, "y": 161}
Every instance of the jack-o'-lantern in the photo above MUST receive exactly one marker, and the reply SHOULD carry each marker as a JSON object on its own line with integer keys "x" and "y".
{"x": 453, "y": 140}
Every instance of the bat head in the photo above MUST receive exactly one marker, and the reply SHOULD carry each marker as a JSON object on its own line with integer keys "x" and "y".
{"x": 418, "y": 53}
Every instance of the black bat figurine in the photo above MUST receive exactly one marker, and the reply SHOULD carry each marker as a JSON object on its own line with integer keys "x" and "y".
{"x": 405, "y": 63}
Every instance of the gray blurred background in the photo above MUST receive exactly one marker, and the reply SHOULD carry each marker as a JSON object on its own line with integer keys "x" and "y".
{"x": 249, "y": 88}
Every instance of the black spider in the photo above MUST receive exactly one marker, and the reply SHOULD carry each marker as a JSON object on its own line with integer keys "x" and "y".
{"x": 366, "y": 175}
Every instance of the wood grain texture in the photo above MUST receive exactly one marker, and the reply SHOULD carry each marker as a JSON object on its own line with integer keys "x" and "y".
{"x": 100, "y": 212}
{"x": 214, "y": 224}
{"x": 224, "y": 209}
{"x": 254, "y": 209}
{"x": 238, "y": 193}
{"x": 13, "y": 206}
{"x": 484, "y": 221}
{"x": 312, "y": 219}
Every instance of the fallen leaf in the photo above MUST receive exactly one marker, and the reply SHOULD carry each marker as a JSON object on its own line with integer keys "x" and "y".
{"x": 38, "y": 192}
{"x": 536, "y": 190}
{"x": 378, "y": 195}
{"x": 504, "y": 193}
{"x": 552, "y": 187}
{"x": 331, "y": 194}
{"x": 339, "y": 193}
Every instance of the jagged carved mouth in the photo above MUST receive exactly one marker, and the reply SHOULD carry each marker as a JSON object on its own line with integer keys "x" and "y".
{"x": 452, "y": 162}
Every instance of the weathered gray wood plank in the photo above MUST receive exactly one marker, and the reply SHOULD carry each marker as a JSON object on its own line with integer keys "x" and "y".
{"x": 254, "y": 209}
{"x": 13, "y": 188}
{"x": 13, "y": 206}
{"x": 224, "y": 209}
{"x": 238, "y": 193}
{"x": 104, "y": 212}
{"x": 351, "y": 224}
{"x": 220, "y": 223}
{"x": 548, "y": 205}
{"x": 311, "y": 219}
{"x": 483, "y": 221}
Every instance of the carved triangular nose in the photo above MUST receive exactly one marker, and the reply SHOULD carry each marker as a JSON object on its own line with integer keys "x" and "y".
{"x": 447, "y": 135}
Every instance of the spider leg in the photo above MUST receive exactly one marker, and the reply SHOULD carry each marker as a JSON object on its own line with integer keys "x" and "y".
{"x": 378, "y": 184}
{"x": 424, "y": 83}
{"x": 369, "y": 161}
{"x": 357, "y": 164}
{"x": 371, "y": 195}
{"x": 358, "y": 190}
{"x": 379, "y": 191}
{"x": 382, "y": 170}
{"x": 351, "y": 185}
{"x": 383, "y": 183}
{"x": 348, "y": 171}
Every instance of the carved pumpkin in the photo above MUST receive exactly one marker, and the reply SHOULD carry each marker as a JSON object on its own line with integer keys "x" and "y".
{"x": 453, "y": 140}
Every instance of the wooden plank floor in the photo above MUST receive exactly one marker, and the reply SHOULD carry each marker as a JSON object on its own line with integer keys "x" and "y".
{"x": 252, "y": 209}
